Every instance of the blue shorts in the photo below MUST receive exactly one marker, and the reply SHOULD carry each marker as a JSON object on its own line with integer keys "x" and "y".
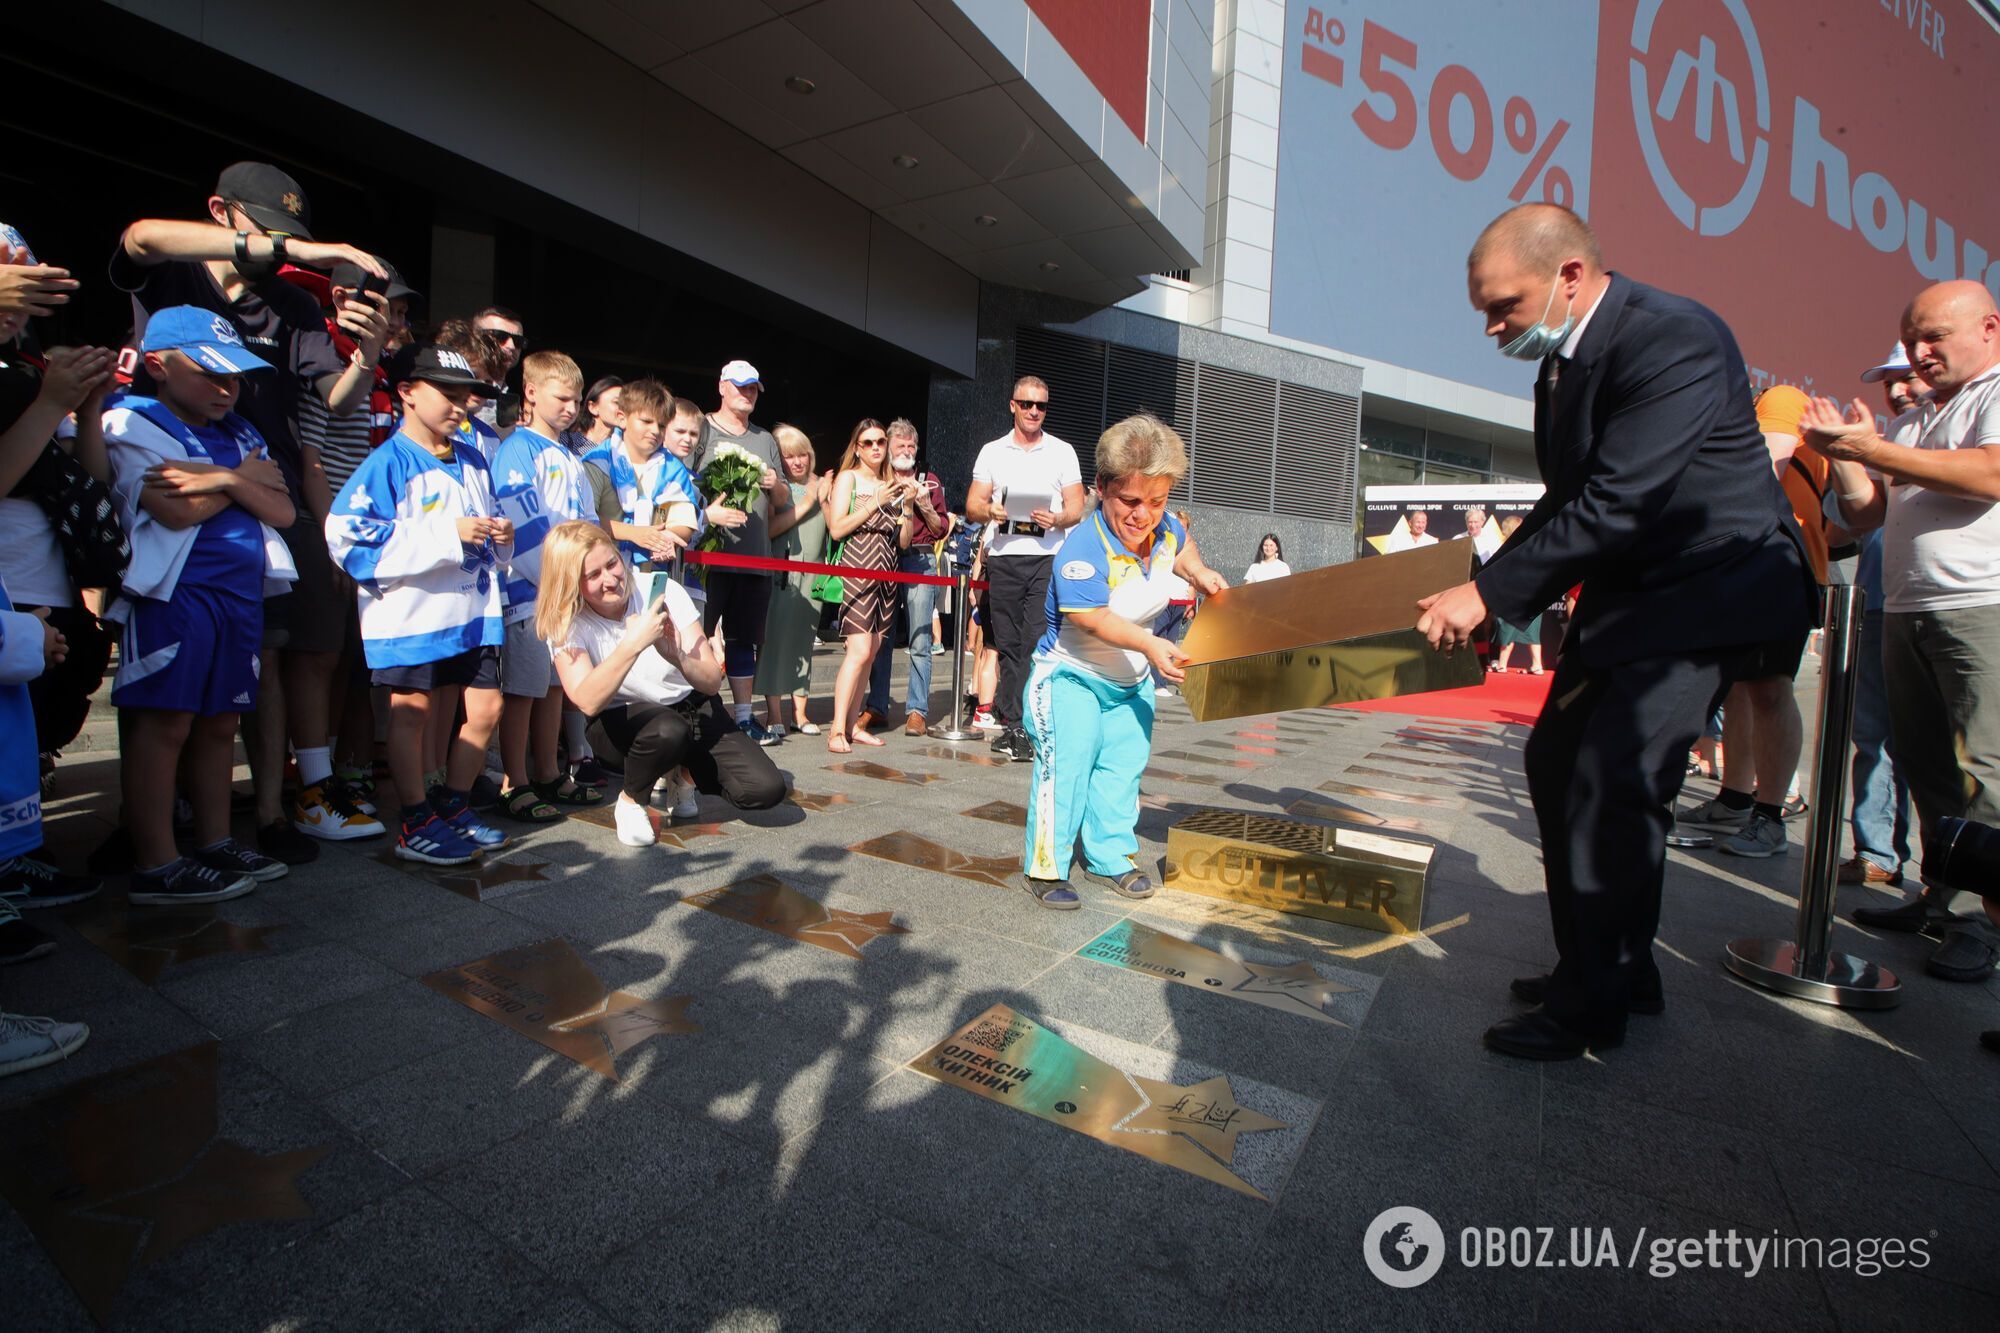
{"x": 475, "y": 668}
{"x": 193, "y": 653}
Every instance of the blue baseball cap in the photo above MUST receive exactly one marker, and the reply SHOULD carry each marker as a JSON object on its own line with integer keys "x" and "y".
{"x": 203, "y": 337}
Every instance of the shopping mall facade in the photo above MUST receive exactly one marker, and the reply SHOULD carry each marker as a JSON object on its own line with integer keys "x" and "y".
{"x": 1248, "y": 216}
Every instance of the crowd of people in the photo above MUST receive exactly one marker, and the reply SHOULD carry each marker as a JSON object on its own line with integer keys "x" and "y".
{"x": 439, "y": 582}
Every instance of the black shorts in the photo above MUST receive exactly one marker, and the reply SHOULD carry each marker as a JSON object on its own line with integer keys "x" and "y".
{"x": 312, "y": 617}
{"x": 475, "y": 668}
{"x": 1778, "y": 657}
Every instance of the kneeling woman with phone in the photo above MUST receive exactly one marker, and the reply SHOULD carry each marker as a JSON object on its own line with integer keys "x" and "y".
{"x": 647, "y": 678}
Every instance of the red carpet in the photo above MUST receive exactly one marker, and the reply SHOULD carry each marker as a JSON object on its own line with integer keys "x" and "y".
{"x": 1509, "y": 697}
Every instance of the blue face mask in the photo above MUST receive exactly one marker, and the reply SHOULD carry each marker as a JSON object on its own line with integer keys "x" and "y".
{"x": 1540, "y": 340}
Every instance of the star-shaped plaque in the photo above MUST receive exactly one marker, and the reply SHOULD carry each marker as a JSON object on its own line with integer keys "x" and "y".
{"x": 846, "y": 932}
{"x": 479, "y": 879}
{"x": 624, "y": 1022}
{"x": 908, "y": 849}
{"x": 146, "y": 944}
{"x": 1208, "y": 1113}
{"x": 768, "y": 903}
{"x": 1298, "y": 982}
{"x": 229, "y": 1183}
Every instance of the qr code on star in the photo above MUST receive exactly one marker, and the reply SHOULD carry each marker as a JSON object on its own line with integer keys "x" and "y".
{"x": 993, "y": 1035}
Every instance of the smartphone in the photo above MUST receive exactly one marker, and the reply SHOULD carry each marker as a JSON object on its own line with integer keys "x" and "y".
{"x": 372, "y": 282}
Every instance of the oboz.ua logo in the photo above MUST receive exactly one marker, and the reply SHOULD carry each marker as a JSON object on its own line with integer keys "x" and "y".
{"x": 1404, "y": 1247}
{"x": 1695, "y": 87}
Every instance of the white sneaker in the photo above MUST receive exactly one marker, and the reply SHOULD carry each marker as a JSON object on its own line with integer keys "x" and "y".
{"x": 635, "y": 823}
{"x": 684, "y": 802}
{"x": 29, "y": 1043}
{"x": 776, "y": 730}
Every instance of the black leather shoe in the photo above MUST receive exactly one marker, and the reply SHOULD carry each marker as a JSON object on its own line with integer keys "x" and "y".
{"x": 1533, "y": 989}
{"x": 1918, "y": 914}
{"x": 1536, "y": 1036}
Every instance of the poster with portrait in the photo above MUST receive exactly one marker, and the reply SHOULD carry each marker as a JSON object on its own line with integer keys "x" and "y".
{"x": 1401, "y": 518}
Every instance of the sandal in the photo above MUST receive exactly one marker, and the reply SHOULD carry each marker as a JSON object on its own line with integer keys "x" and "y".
{"x": 566, "y": 790}
{"x": 527, "y": 805}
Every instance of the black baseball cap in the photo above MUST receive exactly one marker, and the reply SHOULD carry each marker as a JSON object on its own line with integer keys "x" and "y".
{"x": 350, "y": 275}
{"x": 273, "y": 200}
{"x": 438, "y": 365}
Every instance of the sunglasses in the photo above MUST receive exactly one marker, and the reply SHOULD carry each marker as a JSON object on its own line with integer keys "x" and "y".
{"x": 502, "y": 335}
{"x": 873, "y": 439}
{"x": 1032, "y": 404}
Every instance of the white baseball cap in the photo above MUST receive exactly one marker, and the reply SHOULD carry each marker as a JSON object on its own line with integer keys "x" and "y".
{"x": 740, "y": 373}
{"x": 1895, "y": 367}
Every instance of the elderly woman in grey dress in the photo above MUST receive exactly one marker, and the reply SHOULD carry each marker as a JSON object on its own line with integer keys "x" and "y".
{"x": 784, "y": 666}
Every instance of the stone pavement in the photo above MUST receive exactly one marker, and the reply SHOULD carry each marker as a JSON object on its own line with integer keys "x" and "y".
{"x": 414, "y": 1163}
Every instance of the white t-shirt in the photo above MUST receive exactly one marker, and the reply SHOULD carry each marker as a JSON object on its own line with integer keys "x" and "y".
{"x": 1266, "y": 569}
{"x": 1404, "y": 541}
{"x": 30, "y": 558}
{"x": 652, "y": 679}
{"x": 1941, "y": 553}
{"x": 1026, "y": 478}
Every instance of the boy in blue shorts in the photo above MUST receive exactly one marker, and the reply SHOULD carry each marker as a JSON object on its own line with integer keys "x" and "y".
{"x": 204, "y": 506}
{"x": 417, "y": 530}
{"x": 540, "y": 484}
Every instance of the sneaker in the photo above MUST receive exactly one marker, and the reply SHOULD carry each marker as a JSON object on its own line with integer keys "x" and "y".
{"x": 777, "y": 732}
{"x": 434, "y": 842}
{"x": 752, "y": 728}
{"x": 324, "y": 810}
{"x": 1016, "y": 744}
{"x": 30, "y": 884}
{"x": 359, "y": 792}
{"x": 468, "y": 826}
{"x": 29, "y": 1043}
{"x": 187, "y": 881}
{"x": 232, "y": 858}
{"x": 1713, "y": 814}
{"x": 983, "y": 720}
{"x": 20, "y": 941}
{"x": 683, "y": 802}
{"x": 1054, "y": 894}
{"x": 634, "y": 823}
{"x": 591, "y": 773}
{"x": 279, "y": 840}
{"x": 1762, "y": 836}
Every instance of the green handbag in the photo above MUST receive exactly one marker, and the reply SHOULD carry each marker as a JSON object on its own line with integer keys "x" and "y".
{"x": 829, "y": 588}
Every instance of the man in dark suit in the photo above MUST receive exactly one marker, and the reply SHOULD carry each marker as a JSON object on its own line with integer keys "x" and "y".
{"x": 1662, "y": 502}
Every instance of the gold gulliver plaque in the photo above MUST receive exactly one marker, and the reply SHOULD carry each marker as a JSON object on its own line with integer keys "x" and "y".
{"x": 1355, "y": 877}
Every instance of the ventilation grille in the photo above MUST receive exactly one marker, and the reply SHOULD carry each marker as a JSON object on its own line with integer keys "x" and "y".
{"x": 1254, "y": 442}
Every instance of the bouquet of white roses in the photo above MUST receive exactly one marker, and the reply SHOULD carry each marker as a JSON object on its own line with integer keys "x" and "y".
{"x": 732, "y": 475}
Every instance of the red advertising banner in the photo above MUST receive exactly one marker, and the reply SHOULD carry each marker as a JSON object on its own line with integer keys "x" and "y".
{"x": 1111, "y": 41}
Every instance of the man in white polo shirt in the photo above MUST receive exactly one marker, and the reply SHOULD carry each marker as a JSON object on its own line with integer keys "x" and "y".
{"x": 1934, "y": 488}
{"x": 1027, "y": 483}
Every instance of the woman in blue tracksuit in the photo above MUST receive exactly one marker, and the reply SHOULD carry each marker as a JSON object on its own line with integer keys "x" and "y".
{"x": 1089, "y": 704}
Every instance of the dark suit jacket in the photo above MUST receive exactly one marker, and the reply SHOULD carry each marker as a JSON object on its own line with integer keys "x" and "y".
{"x": 1661, "y": 497}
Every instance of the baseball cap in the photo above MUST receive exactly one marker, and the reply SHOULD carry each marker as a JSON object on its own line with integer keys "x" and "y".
{"x": 273, "y": 200}
{"x": 349, "y": 274}
{"x": 1779, "y": 409}
{"x": 1895, "y": 367}
{"x": 741, "y": 373}
{"x": 203, "y": 337}
{"x": 438, "y": 365}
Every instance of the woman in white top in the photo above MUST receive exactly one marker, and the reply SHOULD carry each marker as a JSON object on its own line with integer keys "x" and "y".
{"x": 1270, "y": 561}
{"x": 647, "y": 678}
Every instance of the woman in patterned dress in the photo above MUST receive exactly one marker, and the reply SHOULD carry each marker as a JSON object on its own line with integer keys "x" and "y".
{"x": 869, "y": 513}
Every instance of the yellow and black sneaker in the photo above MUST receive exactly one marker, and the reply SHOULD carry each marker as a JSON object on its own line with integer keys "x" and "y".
{"x": 324, "y": 810}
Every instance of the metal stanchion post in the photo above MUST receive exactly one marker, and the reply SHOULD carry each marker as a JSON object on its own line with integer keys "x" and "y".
{"x": 1807, "y": 968}
{"x": 962, "y": 619}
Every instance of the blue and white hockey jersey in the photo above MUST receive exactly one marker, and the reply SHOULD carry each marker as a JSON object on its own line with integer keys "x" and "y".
{"x": 425, "y": 595}
{"x": 538, "y": 484}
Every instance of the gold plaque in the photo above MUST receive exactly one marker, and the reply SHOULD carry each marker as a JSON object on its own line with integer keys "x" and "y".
{"x": 1297, "y": 989}
{"x": 818, "y": 802}
{"x": 548, "y": 993}
{"x": 1340, "y": 634}
{"x": 865, "y": 768}
{"x": 1198, "y": 779}
{"x": 1189, "y": 757}
{"x": 1307, "y": 808}
{"x": 1009, "y": 1059}
{"x": 1339, "y": 788}
{"x": 1347, "y": 875}
{"x": 768, "y": 903}
{"x": 1362, "y": 770}
{"x": 985, "y": 758}
{"x": 148, "y": 943}
{"x": 999, "y": 812}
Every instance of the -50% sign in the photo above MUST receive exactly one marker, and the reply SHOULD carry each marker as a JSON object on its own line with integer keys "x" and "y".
{"x": 1389, "y": 115}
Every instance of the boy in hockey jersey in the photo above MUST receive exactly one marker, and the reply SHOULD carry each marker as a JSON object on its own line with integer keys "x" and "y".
{"x": 655, "y": 489}
{"x": 539, "y": 483}
{"x": 204, "y": 505}
{"x": 417, "y": 529}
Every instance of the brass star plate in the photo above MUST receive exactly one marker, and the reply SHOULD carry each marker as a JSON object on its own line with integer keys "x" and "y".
{"x": 864, "y": 768}
{"x": 1296, "y": 989}
{"x": 768, "y": 903}
{"x": 908, "y": 849}
{"x": 999, "y": 812}
{"x": 1339, "y": 788}
{"x": 147, "y": 943}
{"x": 548, "y": 993}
